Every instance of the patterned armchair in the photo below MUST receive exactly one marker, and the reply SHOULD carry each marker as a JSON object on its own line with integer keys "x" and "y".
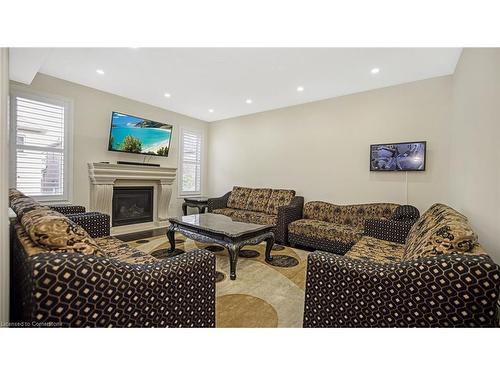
{"x": 441, "y": 277}
{"x": 68, "y": 209}
{"x": 96, "y": 224}
{"x": 334, "y": 228}
{"x": 276, "y": 207}
{"x": 62, "y": 276}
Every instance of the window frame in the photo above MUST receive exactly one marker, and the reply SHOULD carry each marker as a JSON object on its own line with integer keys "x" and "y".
{"x": 198, "y": 132}
{"x": 67, "y": 103}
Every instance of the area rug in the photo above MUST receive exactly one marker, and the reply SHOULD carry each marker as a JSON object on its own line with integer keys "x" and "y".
{"x": 263, "y": 295}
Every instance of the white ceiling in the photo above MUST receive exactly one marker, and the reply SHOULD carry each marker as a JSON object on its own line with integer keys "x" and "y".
{"x": 24, "y": 63}
{"x": 222, "y": 79}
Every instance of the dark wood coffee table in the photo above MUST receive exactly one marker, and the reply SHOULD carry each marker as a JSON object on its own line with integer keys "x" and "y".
{"x": 222, "y": 230}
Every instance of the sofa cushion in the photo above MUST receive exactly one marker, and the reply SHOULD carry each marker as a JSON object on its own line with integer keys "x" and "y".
{"x": 278, "y": 198}
{"x": 258, "y": 200}
{"x": 255, "y": 217}
{"x": 111, "y": 247}
{"x": 373, "y": 249}
{"x": 239, "y": 197}
{"x": 21, "y": 203}
{"x": 116, "y": 249}
{"x": 441, "y": 230}
{"x": 356, "y": 214}
{"x": 225, "y": 211}
{"x": 318, "y": 210}
{"x": 26, "y": 242}
{"x": 247, "y": 216}
{"x": 324, "y": 230}
{"x": 352, "y": 215}
{"x": 54, "y": 231}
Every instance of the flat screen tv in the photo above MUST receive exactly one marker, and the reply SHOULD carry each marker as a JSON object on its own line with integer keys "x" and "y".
{"x": 407, "y": 156}
{"x": 139, "y": 136}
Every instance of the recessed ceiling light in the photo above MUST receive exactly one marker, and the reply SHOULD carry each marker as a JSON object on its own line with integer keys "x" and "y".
{"x": 100, "y": 71}
{"x": 248, "y": 101}
{"x": 300, "y": 89}
{"x": 211, "y": 110}
{"x": 167, "y": 95}
{"x": 375, "y": 71}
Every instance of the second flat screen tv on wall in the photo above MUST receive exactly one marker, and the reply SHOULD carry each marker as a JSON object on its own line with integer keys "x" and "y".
{"x": 408, "y": 156}
{"x": 139, "y": 136}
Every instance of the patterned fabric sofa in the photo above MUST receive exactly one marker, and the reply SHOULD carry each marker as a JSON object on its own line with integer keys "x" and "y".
{"x": 62, "y": 276}
{"x": 278, "y": 207}
{"x": 335, "y": 228}
{"x": 441, "y": 277}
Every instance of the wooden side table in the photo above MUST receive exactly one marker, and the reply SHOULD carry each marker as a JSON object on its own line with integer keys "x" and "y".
{"x": 201, "y": 203}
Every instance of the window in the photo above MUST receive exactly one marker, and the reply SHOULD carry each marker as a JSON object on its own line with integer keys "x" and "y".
{"x": 190, "y": 162}
{"x": 39, "y": 143}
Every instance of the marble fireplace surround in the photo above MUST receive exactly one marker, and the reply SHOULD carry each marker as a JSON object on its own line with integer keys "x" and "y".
{"x": 103, "y": 177}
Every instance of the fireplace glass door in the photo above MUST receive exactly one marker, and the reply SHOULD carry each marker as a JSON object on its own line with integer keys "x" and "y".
{"x": 132, "y": 205}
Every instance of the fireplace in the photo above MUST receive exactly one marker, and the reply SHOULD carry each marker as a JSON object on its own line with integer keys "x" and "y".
{"x": 132, "y": 205}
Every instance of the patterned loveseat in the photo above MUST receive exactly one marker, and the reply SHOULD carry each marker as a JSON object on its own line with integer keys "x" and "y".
{"x": 335, "y": 228}
{"x": 441, "y": 277}
{"x": 62, "y": 276}
{"x": 278, "y": 207}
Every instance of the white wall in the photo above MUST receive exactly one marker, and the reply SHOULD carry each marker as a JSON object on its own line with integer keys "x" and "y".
{"x": 475, "y": 144}
{"x": 321, "y": 149}
{"x": 92, "y": 115}
{"x": 4, "y": 173}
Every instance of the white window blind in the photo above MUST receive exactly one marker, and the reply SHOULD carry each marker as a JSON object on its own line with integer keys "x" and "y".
{"x": 190, "y": 163}
{"x": 39, "y": 137}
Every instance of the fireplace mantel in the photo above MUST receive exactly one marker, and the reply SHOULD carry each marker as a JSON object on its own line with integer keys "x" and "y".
{"x": 104, "y": 176}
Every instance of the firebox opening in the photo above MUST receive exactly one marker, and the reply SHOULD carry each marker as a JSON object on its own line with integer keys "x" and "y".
{"x": 132, "y": 205}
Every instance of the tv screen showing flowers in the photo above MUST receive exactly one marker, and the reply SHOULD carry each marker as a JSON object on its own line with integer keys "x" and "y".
{"x": 139, "y": 136}
{"x": 408, "y": 156}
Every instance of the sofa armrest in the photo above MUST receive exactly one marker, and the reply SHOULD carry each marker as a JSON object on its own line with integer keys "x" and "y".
{"x": 406, "y": 212}
{"x": 95, "y": 223}
{"x": 67, "y": 209}
{"x": 86, "y": 291}
{"x": 388, "y": 230}
{"x": 440, "y": 291}
{"x": 215, "y": 203}
{"x": 286, "y": 215}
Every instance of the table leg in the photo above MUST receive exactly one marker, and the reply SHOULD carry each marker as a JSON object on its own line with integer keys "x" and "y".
{"x": 171, "y": 237}
{"x": 184, "y": 208}
{"x": 269, "y": 247}
{"x": 233, "y": 260}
